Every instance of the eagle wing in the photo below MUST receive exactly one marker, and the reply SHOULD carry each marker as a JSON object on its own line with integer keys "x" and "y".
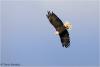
{"x": 58, "y": 24}
{"x": 65, "y": 39}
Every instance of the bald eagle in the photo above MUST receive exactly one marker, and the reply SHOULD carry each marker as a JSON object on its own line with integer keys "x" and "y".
{"x": 61, "y": 29}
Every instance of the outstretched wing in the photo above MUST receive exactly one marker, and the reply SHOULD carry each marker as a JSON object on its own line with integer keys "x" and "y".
{"x": 55, "y": 21}
{"x": 65, "y": 39}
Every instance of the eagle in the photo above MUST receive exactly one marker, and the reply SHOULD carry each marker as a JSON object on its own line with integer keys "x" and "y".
{"x": 61, "y": 29}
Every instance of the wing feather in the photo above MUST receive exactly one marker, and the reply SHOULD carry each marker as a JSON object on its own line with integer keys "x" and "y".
{"x": 56, "y": 22}
{"x": 65, "y": 39}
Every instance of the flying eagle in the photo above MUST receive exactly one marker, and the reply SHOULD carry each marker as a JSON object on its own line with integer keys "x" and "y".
{"x": 61, "y": 29}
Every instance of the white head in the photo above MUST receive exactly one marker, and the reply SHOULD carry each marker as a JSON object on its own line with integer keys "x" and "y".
{"x": 68, "y": 25}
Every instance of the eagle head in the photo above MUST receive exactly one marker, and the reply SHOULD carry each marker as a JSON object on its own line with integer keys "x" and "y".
{"x": 68, "y": 25}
